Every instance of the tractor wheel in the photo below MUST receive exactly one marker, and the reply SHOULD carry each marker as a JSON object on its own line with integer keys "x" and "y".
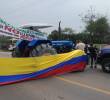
{"x": 42, "y": 50}
{"x": 16, "y": 53}
{"x": 13, "y": 54}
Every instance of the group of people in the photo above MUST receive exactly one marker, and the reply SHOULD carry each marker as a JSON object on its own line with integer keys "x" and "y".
{"x": 90, "y": 50}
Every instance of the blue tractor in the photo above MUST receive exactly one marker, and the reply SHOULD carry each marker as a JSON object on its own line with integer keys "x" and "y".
{"x": 40, "y": 45}
{"x": 63, "y": 46}
{"x": 25, "y": 48}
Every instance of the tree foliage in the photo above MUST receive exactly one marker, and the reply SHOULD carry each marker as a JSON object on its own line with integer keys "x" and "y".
{"x": 5, "y": 42}
{"x": 99, "y": 27}
{"x": 95, "y": 23}
{"x": 102, "y": 26}
{"x": 85, "y": 37}
{"x": 68, "y": 30}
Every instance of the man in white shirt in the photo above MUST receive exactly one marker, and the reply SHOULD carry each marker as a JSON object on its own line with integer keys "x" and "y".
{"x": 80, "y": 45}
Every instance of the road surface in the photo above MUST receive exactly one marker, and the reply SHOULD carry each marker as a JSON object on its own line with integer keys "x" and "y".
{"x": 88, "y": 85}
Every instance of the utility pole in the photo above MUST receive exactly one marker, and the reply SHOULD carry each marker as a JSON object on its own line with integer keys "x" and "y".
{"x": 59, "y": 30}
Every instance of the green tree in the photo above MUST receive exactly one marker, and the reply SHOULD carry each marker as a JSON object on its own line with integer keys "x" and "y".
{"x": 96, "y": 25}
{"x": 54, "y": 35}
{"x": 101, "y": 26}
{"x": 68, "y": 30}
{"x": 4, "y": 42}
{"x": 66, "y": 34}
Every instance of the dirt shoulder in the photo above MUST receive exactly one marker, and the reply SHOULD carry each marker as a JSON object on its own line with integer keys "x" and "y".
{"x": 5, "y": 54}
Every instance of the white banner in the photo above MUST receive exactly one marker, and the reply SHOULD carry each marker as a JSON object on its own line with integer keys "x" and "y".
{"x": 8, "y": 30}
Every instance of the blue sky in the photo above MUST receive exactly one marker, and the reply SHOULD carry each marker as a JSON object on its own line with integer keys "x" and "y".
{"x": 18, "y": 12}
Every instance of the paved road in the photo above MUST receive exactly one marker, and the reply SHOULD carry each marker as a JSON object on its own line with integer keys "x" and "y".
{"x": 5, "y": 54}
{"x": 88, "y": 85}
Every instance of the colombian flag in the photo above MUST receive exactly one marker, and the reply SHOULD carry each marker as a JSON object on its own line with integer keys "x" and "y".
{"x": 14, "y": 70}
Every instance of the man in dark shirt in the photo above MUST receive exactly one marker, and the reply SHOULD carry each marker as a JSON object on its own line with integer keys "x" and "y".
{"x": 93, "y": 55}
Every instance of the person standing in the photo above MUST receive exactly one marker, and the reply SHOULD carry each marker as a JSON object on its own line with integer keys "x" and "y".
{"x": 80, "y": 45}
{"x": 93, "y": 55}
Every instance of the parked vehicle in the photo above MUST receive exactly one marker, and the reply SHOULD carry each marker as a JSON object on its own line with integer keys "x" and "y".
{"x": 39, "y": 45}
{"x": 104, "y": 58}
{"x": 63, "y": 46}
{"x": 25, "y": 48}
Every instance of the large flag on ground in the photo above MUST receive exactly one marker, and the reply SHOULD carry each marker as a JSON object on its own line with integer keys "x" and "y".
{"x": 20, "y": 69}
